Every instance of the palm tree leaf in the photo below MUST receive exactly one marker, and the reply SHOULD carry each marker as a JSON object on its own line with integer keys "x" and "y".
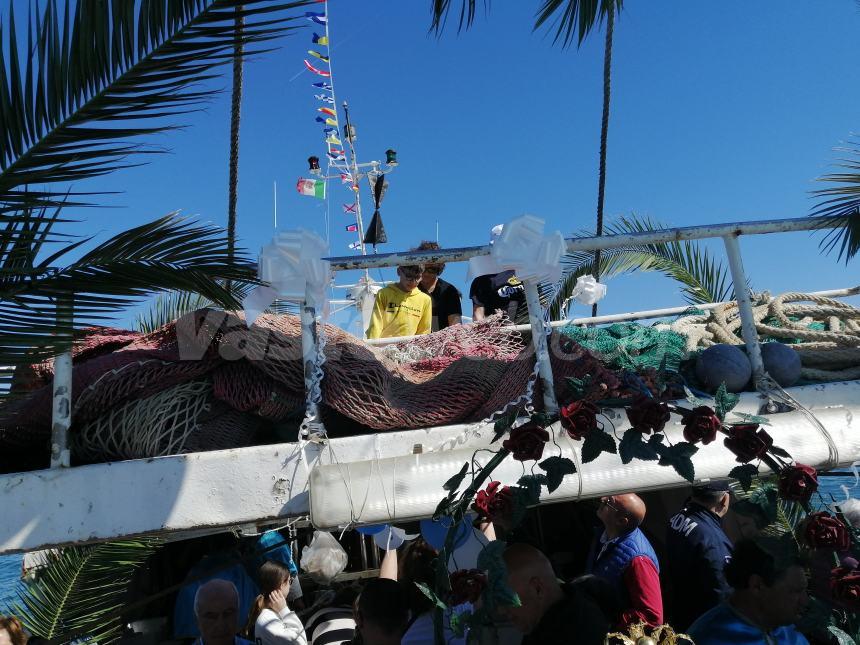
{"x": 702, "y": 277}
{"x": 168, "y": 307}
{"x": 574, "y": 19}
{"x": 92, "y": 73}
{"x": 79, "y": 591}
{"x": 171, "y": 253}
{"x": 842, "y": 200}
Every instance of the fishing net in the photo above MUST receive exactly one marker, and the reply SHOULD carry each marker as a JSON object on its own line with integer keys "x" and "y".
{"x": 207, "y": 382}
{"x": 632, "y": 346}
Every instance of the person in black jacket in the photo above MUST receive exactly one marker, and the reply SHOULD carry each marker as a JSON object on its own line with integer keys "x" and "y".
{"x": 700, "y": 550}
{"x": 551, "y": 613}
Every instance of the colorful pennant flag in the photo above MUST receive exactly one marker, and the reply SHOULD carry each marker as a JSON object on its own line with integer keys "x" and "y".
{"x": 355, "y": 245}
{"x": 319, "y": 18}
{"x": 333, "y": 140}
{"x": 345, "y": 178}
{"x": 328, "y": 131}
{"x": 335, "y": 151}
{"x": 352, "y": 228}
{"x": 312, "y": 187}
{"x": 328, "y": 111}
{"x": 335, "y": 157}
{"x": 320, "y": 40}
{"x": 315, "y": 70}
{"x": 330, "y": 122}
{"x": 349, "y": 208}
{"x": 318, "y": 55}
{"x": 323, "y": 98}
{"x": 323, "y": 86}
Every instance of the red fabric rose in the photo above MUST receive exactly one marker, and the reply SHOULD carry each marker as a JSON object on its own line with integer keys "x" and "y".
{"x": 496, "y": 502}
{"x": 797, "y": 483}
{"x": 648, "y": 415}
{"x": 845, "y": 587}
{"x": 700, "y": 424}
{"x": 579, "y": 419}
{"x": 748, "y": 442}
{"x": 467, "y": 585}
{"x": 823, "y": 531}
{"x": 526, "y": 442}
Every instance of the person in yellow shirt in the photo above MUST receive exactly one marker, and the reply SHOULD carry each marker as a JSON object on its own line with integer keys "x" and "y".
{"x": 401, "y": 309}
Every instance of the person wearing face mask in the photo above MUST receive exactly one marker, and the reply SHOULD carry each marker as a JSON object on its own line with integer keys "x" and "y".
{"x": 272, "y": 621}
{"x": 401, "y": 309}
{"x": 769, "y": 595}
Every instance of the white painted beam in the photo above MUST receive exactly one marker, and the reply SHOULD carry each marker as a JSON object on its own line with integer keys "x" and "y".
{"x": 227, "y": 488}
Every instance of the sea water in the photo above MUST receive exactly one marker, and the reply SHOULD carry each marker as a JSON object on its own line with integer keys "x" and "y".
{"x": 10, "y": 575}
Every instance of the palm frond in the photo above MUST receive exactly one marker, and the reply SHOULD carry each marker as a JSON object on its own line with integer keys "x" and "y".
{"x": 81, "y": 590}
{"x": 703, "y": 278}
{"x": 168, "y": 307}
{"x": 574, "y": 19}
{"x": 42, "y": 305}
{"x": 97, "y": 74}
{"x": 842, "y": 200}
{"x": 441, "y": 9}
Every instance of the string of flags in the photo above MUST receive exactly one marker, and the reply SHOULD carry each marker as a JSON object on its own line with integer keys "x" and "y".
{"x": 328, "y": 119}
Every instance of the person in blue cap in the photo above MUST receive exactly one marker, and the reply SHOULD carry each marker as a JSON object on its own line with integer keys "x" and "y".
{"x": 700, "y": 550}
{"x": 769, "y": 595}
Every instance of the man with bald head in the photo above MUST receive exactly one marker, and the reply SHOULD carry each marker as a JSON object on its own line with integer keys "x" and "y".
{"x": 550, "y": 613}
{"x": 216, "y": 606}
{"x": 624, "y": 557}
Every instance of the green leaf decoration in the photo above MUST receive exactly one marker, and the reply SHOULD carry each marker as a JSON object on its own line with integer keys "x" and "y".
{"x": 779, "y": 452}
{"x": 454, "y": 483}
{"x": 766, "y": 497}
{"x": 556, "y": 468}
{"x": 678, "y": 456}
{"x": 80, "y": 589}
{"x": 503, "y": 424}
{"x": 427, "y": 591}
{"x": 724, "y": 402}
{"x": 841, "y": 637}
{"x": 744, "y": 474}
{"x": 596, "y": 443}
{"x": 445, "y": 507}
{"x": 579, "y": 387}
{"x": 633, "y": 447}
{"x": 530, "y": 487}
{"x": 541, "y": 419}
{"x": 752, "y": 418}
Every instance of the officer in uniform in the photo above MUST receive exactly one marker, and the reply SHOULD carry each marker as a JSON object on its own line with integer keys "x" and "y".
{"x": 699, "y": 551}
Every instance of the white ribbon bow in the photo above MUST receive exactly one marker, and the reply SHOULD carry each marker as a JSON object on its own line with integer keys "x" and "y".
{"x": 292, "y": 264}
{"x": 523, "y": 247}
{"x": 588, "y": 290}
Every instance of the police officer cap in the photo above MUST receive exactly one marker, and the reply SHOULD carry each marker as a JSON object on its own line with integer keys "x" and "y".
{"x": 713, "y": 486}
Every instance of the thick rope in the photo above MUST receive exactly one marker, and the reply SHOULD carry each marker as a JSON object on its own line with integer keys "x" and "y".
{"x": 828, "y": 354}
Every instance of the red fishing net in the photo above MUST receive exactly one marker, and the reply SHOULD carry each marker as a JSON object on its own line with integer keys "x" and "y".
{"x": 207, "y": 382}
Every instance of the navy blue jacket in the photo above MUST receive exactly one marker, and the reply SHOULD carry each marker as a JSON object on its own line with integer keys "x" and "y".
{"x": 698, "y": 550}
{"x": 609, "y": 560}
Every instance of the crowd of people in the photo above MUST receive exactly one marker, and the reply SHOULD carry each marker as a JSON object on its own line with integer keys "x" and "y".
{"x": 717, "y": 592}
{"x": 421, "y": 302}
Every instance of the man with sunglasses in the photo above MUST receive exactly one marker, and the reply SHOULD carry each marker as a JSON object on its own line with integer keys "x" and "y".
{"x": 400, "y": 308}
{"x": 444, "y": 296}
{"x": 624, "y": 557}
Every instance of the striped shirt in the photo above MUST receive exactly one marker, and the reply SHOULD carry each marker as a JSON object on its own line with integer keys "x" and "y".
{"x": 330, "y": 626}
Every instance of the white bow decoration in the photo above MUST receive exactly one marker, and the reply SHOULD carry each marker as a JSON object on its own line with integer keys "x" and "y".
{"x": 588, "y": 290}
{"x": 523, "y": 247}
{"x": 292, "y": 264}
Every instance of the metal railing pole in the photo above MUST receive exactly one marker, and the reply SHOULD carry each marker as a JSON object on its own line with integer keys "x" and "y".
{"x": 742, "y": 295}
{"x": 541, "y": 347}
{"x": 61, "y": 413}
{"x": 310, "y": 344}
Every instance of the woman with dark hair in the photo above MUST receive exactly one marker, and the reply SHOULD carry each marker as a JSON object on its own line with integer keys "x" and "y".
{"x": 11, "y": 631}
{"x": 271, "y": 621}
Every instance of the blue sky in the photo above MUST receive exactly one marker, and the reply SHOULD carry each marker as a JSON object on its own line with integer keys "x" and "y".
{"x": 720, "y": 112}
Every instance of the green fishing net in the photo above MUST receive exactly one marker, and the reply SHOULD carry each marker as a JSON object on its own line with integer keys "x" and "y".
{"x": 631, "y": 346}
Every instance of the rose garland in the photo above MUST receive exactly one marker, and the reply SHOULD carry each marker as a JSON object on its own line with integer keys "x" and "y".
{"x": 648, "y": 414}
